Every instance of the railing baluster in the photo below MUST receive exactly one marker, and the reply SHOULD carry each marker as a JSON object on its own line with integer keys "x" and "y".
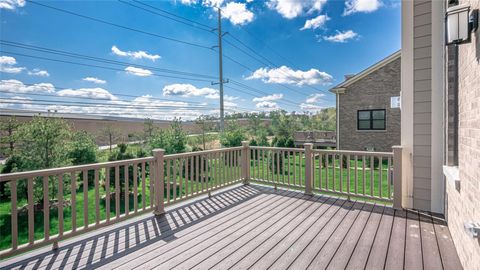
{"x": 300, "y": 163}
{"x": 85, "y": 198}
{"x": 14, "y": 217}
{"x": 216, "y": 162}
{"x": 135, "y": 187}
{"x": 73, "y": 178}
{"x": 389, "y": 178}
{"x": 117, "y": 191}
{"x": 97, "y": 197}
{"x": 60, "y": 205}
{"x": 197, "y": 169}
{"x": 174, "y": 176}
{"x": 107, "y": 193}
{"x": 168, "y": 167}
{"x": 31, "y": 232}
{"x": 326, "y": 171}
{"x": 294, "y": 168}
{"x": 348, "y": 175}
{"x": 151, "y": 165}
{"x": 320, "y": 165}
{"x": 192, "y": 174}
{"x": 380, "y": 176}
{"x": 372, "y": 172}
{"x": 126, "y": 178}
{"x": 46, "y": 209}
{"x": 341, "y": 173}
{"x": 363, "y": 174}
{"x": 186, "y": 176}
{"x": 334, "y": 165}
{"x": 356, "y": 174}
{"x": 289, "y": 154}
{"x": 144, "y": 192}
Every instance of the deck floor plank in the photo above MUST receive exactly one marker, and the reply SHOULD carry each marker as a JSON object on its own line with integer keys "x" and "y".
{"x": 257, "y": 227}
{"x": 378, "y": 252}
{"x": 396, "y": 244}
{"x": 345, "y": 250}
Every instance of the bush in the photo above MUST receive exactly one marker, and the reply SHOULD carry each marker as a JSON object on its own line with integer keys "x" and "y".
{"x": 83, "y": 149}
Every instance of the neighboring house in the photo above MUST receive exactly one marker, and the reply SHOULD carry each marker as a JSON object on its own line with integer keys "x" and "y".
{"x": 441, "y": 122}
{"x": 319, "y": 139}
{"x": 365, "y": 117}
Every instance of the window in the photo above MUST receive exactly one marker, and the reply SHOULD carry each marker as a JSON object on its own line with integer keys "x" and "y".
{"x": 371, "y": 120}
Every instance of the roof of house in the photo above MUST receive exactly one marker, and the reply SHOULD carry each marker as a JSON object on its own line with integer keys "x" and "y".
{"x": 341, "y": 87}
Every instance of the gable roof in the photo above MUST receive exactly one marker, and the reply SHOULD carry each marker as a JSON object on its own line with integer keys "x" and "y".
{"x": 340, "y": 88}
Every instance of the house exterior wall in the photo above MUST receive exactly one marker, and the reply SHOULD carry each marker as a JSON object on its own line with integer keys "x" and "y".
{"x": 463, "y": 205}
{"x": 371, "y": 92}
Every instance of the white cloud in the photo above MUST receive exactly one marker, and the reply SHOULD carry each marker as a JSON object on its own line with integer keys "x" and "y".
{"x": 11, "y": 4}
{"x": 341, "y": 37}
{"x": 316, "y": 22}
{"x": 8, "y": 65}
{"x": 293, "y": 8}
{"x": 268, "y": 98}
{"x": 96, "y": 93}
{"x": 213, "y": 3}
{"x": 188, "y": 2}
{"x": 366, "y": 6}
{"x": 135, "y": 55}
{"x": 94, "y": 80}
{"x": 138, "y": 71}
{"x": 314, "y": 98}
{"x": 285, "y": 75}
{"x": 237, "y": 13}
{"x": 225, "y": 97}
{"x": 15, "y": 86}
{"x": 188, "y": 90}
{"x": 311, "y": 107}
{"x": 267, "y": 105}
{"x": 39, "y": 72}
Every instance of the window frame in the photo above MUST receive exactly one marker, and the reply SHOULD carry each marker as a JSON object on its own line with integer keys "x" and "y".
{"x": 370, "y": 120}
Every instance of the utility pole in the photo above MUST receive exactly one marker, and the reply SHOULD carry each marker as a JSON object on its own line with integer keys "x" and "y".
{"x": 220, "y": 69}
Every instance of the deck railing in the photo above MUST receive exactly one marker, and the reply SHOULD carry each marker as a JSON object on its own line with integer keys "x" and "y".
{"x": 82, "y": 198}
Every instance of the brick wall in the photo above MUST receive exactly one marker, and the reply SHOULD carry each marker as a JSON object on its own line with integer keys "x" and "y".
{"x": 371, "y": 92}
{"x": 464, "y": 205}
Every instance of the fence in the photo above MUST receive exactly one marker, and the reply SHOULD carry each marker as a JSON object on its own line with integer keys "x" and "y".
{"x": 79, "y": 199}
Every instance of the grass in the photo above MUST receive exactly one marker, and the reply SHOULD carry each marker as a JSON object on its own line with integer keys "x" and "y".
{"x": 216, "y": 176}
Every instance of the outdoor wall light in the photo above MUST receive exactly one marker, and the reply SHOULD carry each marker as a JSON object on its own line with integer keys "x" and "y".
{"x": 473, "y": 229}
{"x": 460, "y": 22}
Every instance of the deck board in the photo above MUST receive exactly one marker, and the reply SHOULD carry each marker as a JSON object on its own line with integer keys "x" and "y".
{"x": 257, "y": 227}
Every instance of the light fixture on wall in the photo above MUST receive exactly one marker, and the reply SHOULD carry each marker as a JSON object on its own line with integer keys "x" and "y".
{"x": 460, "y": 23}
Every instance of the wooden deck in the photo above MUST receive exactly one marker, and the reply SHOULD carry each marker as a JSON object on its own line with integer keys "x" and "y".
{"x": 259, "y": 228}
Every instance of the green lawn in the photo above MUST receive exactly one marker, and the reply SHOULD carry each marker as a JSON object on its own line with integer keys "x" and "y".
{"x": 217, "y": 173}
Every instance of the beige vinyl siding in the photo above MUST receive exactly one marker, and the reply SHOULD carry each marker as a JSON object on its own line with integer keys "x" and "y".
{"x": 422, "y": 105}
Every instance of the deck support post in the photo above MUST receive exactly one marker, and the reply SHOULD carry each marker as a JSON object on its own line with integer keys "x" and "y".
{"x": 246, "y": 162}
{"x": 397, "y": 177}
{"x": 309, "y": 164}
{"x": 159, "y": 180}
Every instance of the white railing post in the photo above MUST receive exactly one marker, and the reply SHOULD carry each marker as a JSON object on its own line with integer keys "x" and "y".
{"x": 308, "y": 168}
{"x": 245, "y": 162}
{"x": 397, "y": 177}
{"x": 158, "y": 154}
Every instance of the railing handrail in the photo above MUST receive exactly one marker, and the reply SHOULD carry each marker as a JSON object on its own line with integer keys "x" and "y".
{"x": 358, "y": 153}
{"x": 277, "y": 148}
{"x": 99, "y": 165}
{"x": 67, "y": 169}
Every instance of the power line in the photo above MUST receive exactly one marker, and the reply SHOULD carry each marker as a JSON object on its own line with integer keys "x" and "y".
{"x": 103, "y": 67}
{"x": 120, "y": 26}
{"x": 97, "y": 59}
{"x": 191, "y": 24}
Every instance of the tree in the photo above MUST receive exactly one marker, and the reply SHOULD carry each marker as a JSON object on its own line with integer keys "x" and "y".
{"x": 110, "y": 134}
{"x": 43, "y": 143}
{"x": 205, "y": 124}
{"x": 254, "y": 123}
{"x": 233, "y": 134}
{"x": 8, "y": 129}
{"x": 173, "y": 139}
{"x": 83, "y": 149}
{"x": 148, "y": 129}
{"x": 325, "y": 119}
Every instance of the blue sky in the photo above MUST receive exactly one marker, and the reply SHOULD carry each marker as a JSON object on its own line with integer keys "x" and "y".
{"x": 302, "y": 47}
